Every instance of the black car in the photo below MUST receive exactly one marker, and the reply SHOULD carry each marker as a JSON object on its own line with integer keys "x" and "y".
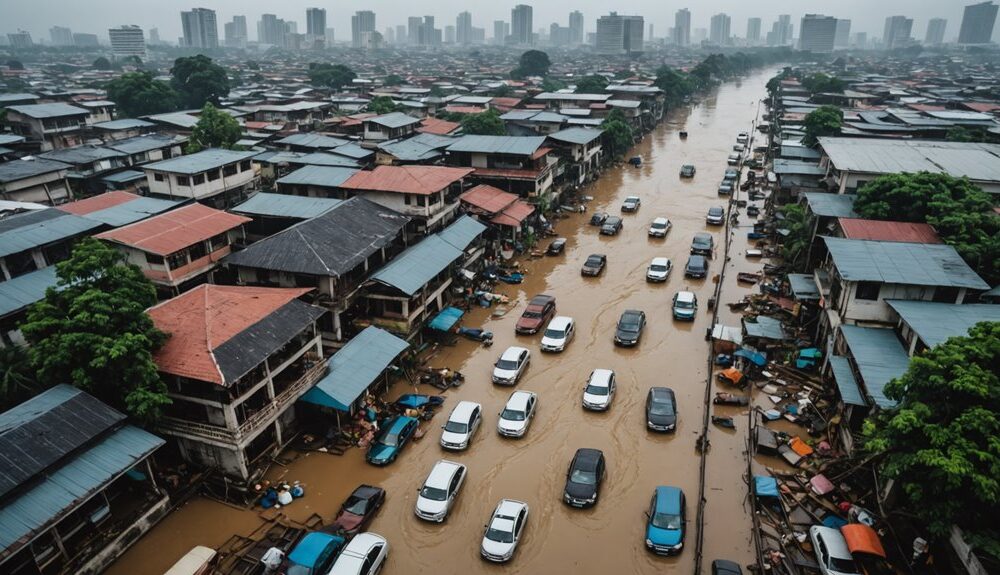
{"x": 702, "y": 244}
{"x": 724, "y": 567}
{"x": 611, "y": 226}
{"x": 661, "y": 409}
{"x": 584, "y": 478}
{"x": 630, "y": 327}
{"x": 557, "y": 247}
{"x": 716, "y": 216}
{"x": 687, "y": 171}
{"x": 697, "y": 267}
{"x": 358, "y": 511}
{"x": 594, "y": 265}
{"x": 598, "y": 218}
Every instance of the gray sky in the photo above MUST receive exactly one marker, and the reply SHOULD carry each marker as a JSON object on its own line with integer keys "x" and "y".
{"x": 96, "y": 16}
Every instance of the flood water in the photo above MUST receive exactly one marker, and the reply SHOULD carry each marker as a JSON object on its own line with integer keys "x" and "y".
{"x": 608, "y": 538}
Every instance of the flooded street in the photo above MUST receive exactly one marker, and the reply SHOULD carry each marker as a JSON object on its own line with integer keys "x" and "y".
{"x": 609, "y": 537}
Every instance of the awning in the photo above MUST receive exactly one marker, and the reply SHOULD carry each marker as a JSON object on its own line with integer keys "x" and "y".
{"x": 765, "y": 486}
{"x": 754, "y": 357}
{"x": 446, "y": 319}
{"x": 850, "y": 393}
{"x": 354, "y": 368}
{"x": 861, "y": 538}
{"x": 765, "y": 328}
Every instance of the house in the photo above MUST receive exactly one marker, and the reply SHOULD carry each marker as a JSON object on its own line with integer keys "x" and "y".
{"x": 650, "y": 98}
{"x": 122, "y": 129}
{"x": 925, "y": 324}
{"x": 428, "y": 194}
{"x": 87, "y": 165}
{"x": 179, "y": 249}
{"x": 823, "y": 209}
{"x": 149, "y": 148}
{"x": 333, "y": 253}
{"x": 390, "y": 126}
{"x": 424, "y": 148}
{"x": 116, "y": 209}
{"x": 100, "y": 111}
{"x": 35, "y": 180}
{"x": 48, "y": 126}
{"x": 37, "y": 239}
{"x": 886, "y": 231}
{"x": 558, "y": 100}
{"x": 303, "y": 113}
{"x": 507, "y": 213}
{"x": 236, "y": 361}
{"x": 273, "y": 213}
{"x": 310, "y": 142}
{"x": 520, "y": 165}
{"x": 315, "y": 181}
{"x": 215, "y": 177}
{"x": 77, "y": 488}
{"x": 533, "y": 122}
{"x": 580, "y": 152}
{"x": 438, "y": 127}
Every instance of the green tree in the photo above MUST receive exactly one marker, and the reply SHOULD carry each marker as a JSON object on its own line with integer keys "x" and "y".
{"x": 17, "y": 377}
{"x": 532, "y": 63}
{"x": 942, "y": 442}
{"x": 487, "y": 123}
{"x": 382, "y": 105}
{"x": 617, "y": 133}
{"x": 821, "y": 83}
{"x": 552, "y": 85}
{"x": 593, "y": 84}
{"x": 503, "y": 91}
{"x": 795, "y": 245}
{"x": 102, "y": 63}
{"x": 215, "y": 129}
{"x": 333, "y": 76}
{"x": 823, "y": 121}
{"x": 394, "y": 80}
{"x": 199, "y": 80}
{"x": 253, "y": 65}
{"x": 138, "y": 94}
{"x": 93, "y": 331}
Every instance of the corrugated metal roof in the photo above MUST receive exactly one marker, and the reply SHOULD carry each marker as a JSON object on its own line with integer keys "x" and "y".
{"x": 577, "y": 135}
{"x": 765, "y": 327}
{"x": 514, "y": 145}
{"x": 422, "y": 180}
{"x": 123, "y": 176}
{"x": 124, "y": 124}
{"x": 22, "y": 291}
{"x": 51, "y": 110}
{"x": 141, "y": 144}
{"x": 488, "y": 198}
{"x": 202, "y": 161}
{"x": 81, "y": 155}
{"x": 318, "y": 141}
{"x": 974, "y": 160}
{"x": 880, "y": 359}
{"x": 418, "y": 265}
{"x": 40, "y": 227}
{"x": 902, "y": 263}
{"x": 878, "y": 230}
{"x": 850, "y": 392}
{"x": 285, "y": 206}
{"x": 324, "y": 159}
{"x": 935, "y": 322}
{"x": 131, "y": 212}
{"x": 175, "y": 230}
{"x": 353, "y": 151}
{"x": 797, "y": 167}
{"x": 394, "y": 120}
{"x": 324, "y": 176}
{"x": 831, "y": 205}
{"x": 179, "y": 119}
{"x": 355, "y": 367}
{"x": 462, "y": 232}
{"x": 22, "y": 169}
{"x": 9, "y": 139}
{"x": 803, "y": 287}
{"x": 547, "y": 96}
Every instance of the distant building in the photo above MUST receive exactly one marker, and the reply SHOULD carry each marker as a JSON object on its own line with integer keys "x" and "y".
{"x": 61, "y": 36}
{"x": 20, "y": 39}
{"x": 682, "y": 27}
{"x": 449, "y": 34}
{"x": 520, "y": 25}
{"x": 200, "y": 28}
{"x": 753, "y": 31}
{"x": 154, "y": 36}
{"x": 236, "y": 32}
{"x": 620, "y": 34}
{"x": 559, "y": 35}
{"x": 720, "y": 30}
{"x": 935, "y": 31}
{"x": 362, "y": 28}
{"x": 48, "y": 126}
{"x": 329, "y": 37}
{"x": 817, "y": 33}
{"x": 316, "y": 22}
{"x": 271, "y": 30}
{"x": 843, "y": 36}
{"x": 501, "y": 30}
{"x": 463, "y": 28}
{"x": 401, "y": 36}
{"x": 896, "y": 33}
{"x": 576, "y": 27}
{"x": 781, "y": 31}
{"x": 977, "y": 23}
{"x": 860, "y": 40}
{"x": 127, "y": 41}
{"x": 85, "y": 40}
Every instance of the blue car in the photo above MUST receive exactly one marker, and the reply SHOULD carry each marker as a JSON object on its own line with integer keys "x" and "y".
{"x": 314, "y": 554}
{"x": 391, "y": 439}
{"x": 665, "y": 521}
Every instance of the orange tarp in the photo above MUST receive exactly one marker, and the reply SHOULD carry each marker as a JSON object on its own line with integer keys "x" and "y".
{"x": 861, "y": 538}
{"x": 800, "y": 447}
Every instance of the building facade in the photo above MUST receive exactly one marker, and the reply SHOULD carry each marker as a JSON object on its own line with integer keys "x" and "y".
{"x": 935, "y": 31}
{"x": 127, "y": 41}
{"x": 682, "y": 27}
{"x": 817, "y": 33}
{"x": 977, "y": 23}
{"x": 200, "y": 27}
{"x": 521, "y": 25}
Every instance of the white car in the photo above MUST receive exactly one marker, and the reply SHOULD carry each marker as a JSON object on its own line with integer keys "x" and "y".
{"x": 558, "y": 333}
{"x": 600, "y": 390}
{"x": 659, "y": 228}
{"x": 832, "y": 554}
{"x": 363, "y": 555}
{"x": 511, "y": 365}
{"x": 659, "y": 270}
{"x": 504, "y": 530}
{"x": 733, "y": 159}
{"x": 440, "y": 489}
{"x": 742, "y": 137}
{"x": 462, "y": 425}
{"x": 517, "y": 414}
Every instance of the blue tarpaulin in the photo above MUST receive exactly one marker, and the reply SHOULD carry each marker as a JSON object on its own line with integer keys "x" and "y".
{"x": 446, "y": 319}
{"x": 834, "y": 522}
{"x": 754, "y": 357}
{"x": 765, "y": 486}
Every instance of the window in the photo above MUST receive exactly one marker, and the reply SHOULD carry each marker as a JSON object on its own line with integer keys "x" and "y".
{"x": 433, "y": 199}
{"x": 213, "y": 175}
{"x": 154, "y": 259}
{"x": 945, "y": 294}
{"x": 244, "y": 165}
{"x": 407, "y": 199}
{"x": 867, "y": 291}
{"x": 220, "y": 241}
{"x": 183, "y": 181}
{"x": 229, "y": 170}
{"x": 198, "y": 179}
{"x": 158, "y": 177}
{"x": 197, "y": 251}
{"x": 176, "y": 260}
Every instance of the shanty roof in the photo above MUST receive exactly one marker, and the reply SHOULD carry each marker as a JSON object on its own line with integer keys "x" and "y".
{"x": 488, "y": 198}
{"x": 140, "y": 144}
{"x": 423, "y": 180}
{"x": 317, "y": 141}
{"x": 417, "y": 265}
{"x": 847, "y": 384}
{"x": 352, "y": 150}
{"x": 393, "y": 120}
{"x": 974, "y": 160}
{"x": 559, "y": 96}
{"x": 285, "y": 206}
{"x": 124, "y": 176}
{"x": 880, "y": 358}
{"x": 514, "y": 214}
{"x": 202, "y": 161}
{"x": 175, "y": 230}
{"x": 935, "y": 322}
{"x": 437, "y": 126}
{"x": 22, "y": 291}
{"x": 797, "y": 168}
{"x": 579, "y": 136}
{"x": 902, "y": 263}
{"x": 323, "y": 176}
{"x": 331, "y": 244}
{"x": 15, "y": 170}
{"x": 81, "y": 155}
{"x": 178, "y": 119}
{"x": 462, "y": 232}
{"x": 355, "y": 367}
{"x": 860, "y": 229}
{"x": 765, "y": 328}
{"x": 324, "y": 159}
{"x": 514, "y": 145}
{"x": 803, "y": 287}
{"x": 118, "y": 208}
{"x": 831, "y": 205}
{"x": 421, "y": 147}
{"x": 220, "y": 333}
{"x": 124, "y": 124}
{"x": 38, "y": 228}
{"x": 52, "y": 110}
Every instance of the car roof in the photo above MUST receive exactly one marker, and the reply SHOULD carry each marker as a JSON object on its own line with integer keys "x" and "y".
{"x": 510, "y": 507}
{"x": 559, "y": 241}
{"x": 627, "y": 198}
{"x": 519, "y": 399}
{"x": 601, "y": 375}
{"x": 463, "y": 410}
{"x": 362, "y": 542}
{"x": 685, "y": 296}
{"x": 659, "y": 261}
{"x": 835, "y": 542}
{"x": 660, "y": 220}
{"x": 560, "y": 322}
{"x": 598, "y": 256}
{"x": 398, "y": 422}
{"x": 661, "y": 393}
{"x": 695, "y": 259}
{"x": 588, "y": 455}
{"x": 441, "y": 473}
{"x": 366, "y": 490}
{"x": 611, "y": 219}
{"x": 632, "y": 312}
{"x": 688, "y": 165}
{"x": 668, "y": 499}
{"x": 541, "y": 299}
{"x": 725, "y": 567}
{"x": 716, "y": 210}
{"x": 513, "y": 352}
{"x": 702, "y": 236}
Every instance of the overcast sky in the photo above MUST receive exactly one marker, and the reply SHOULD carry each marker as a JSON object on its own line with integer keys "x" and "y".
{"x": 96, "y": 16}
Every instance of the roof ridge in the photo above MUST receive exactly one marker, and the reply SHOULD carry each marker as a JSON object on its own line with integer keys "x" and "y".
{"x": 208, "y": 336}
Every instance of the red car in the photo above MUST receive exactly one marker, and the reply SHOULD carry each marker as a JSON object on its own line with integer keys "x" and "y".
{"x": 540, "y": 310}
{"x": 358, "y": 511}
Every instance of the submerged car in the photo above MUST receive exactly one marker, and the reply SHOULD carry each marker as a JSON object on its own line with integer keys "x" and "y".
{"x": 665, "y": 521}
{"x": 630, "y": 326}
{"x": 357, "y": 512}
{"x": 611, "y": 226}
{"x": 557, "y": 247}
{"x": 832, "y": 553}
{"x": 702, "y": 244}
{"x": 540, "y": 309}
{"x": 685, "y": 305}
{"x": 558, "y": 334}
{"x": 733, "y": 159}
{"x": 661, "y": 409}
{"x": 659, "y": 227}
{"x": 731, "y": 176}
{"x": 687, "y": 171}
{"x": 584, "y": 478}
{"x": 392, "y": 438}
{"x": 594, "y": 265}
{"x": 725, "y": 188}
{"x": 364, "y": 555}
{"x": 716, "y": 216}
{"x": 600, "y": 390}
{"x": 659, "y": 270}
{"x": 504, "y": 530}
{"x": 724, "y": 567}
{"x": 511, "y": 365}
{"x": 517, "y": 414}
{"x": 440, "y": 489}
{"x": 461, "y": 426}
{"x": 598, "y": 218}
{"x": 742, "y": 137}
{"x": 697, "y": 267}
{"x": 314, "y": 554}
{"x": 631, "y": 204}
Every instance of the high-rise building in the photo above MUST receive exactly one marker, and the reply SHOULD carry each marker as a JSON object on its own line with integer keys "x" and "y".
{"x": 84, "y": 39}
{"x": 154, "y": 37}
{"x": 401, "y": 36}
{"x": 316, "y": 22}
{"x": 935, "y": 31}
{"x": 463, "y": 28}
{"x": 620, "y": 34}
{"x": 425, "y": 34}
{"x": 896, "y": 33}
{"x": 817, "y": 33}
{"x": 413, "y": 30}
{"x": 520, "y": 25}
{"x": 753, "y": 31}
{"x": 860, "y": 41}
{"x": 977, "y": 23}
{"x": 127, "y": 41}
{"x": 449, "y": 34}
{"x": 200, "y": 28}
{"x": 61, "y": 36}
{"x": 20, "y": 39}
{"x": 478, "y": 35}
{"x": 576, "y": 28}
{"x": 500, "y": 31}
{"x": 558, "y": 35}
{"x": 719, "y": 30}
{"x": 329, "y": 38}
{"x": 271, "y": 30}
{"x": 843, "y": 36}
{"x": 781, "y": 31}
{"x": 682, "y": 27}
{"x": 235, "y": 32}
{"x": 362, "y": 27}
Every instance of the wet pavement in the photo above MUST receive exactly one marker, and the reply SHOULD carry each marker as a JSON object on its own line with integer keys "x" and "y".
{"x": 609, "y": 537}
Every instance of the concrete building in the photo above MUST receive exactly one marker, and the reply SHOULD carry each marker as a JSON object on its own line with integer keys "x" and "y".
{"x": 521, "y": 25}
{"x": 501, "y": 32}
{"x": 221, "y": 178}
{"x": 935, "y": 31}
{"x": 682, "y": 27}
{"x": 719, "y": 32}
{"x": 817, "y": 33}
{"x": 48, "y": 126}
{"x": 753, "y": 31}
{"x": 236, "y": 32}
{"x": 401, "y": 36}
{"x": 620, "y": 34}
{"x": 127, "y": 41}
{"x": 576, "y": 28}
{"x": 781, "y": 31}
{"x": 61, "y": 36}
{"x": 200, "y": 28}
{"x": 154, "y": 37}
{"x": 362, "y": 27}
{"x": 316, "y": 22}
{"x": 449, "y": 34}
{"x": 896, "y": 33}
{"x": 271, "y": 30}
{"x": 977, "y": 23}
{"x": 85, "y": 40}
{"x": 463, "y": 28}
{"x": 843, "y": 36}
{"x": 20, "y": 39}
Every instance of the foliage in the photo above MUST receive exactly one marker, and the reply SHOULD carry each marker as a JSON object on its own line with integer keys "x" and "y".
{"x": 215, "y": 129}
{"x": 975, "y": 134}
{"x": 961, "y": 213}
{"x": 102, "y": 63}
{"x": 593, "y": 84}
{"x": 253, "y": 65}
{"x": 795, "y": 244}
{"x": 382, "y": 105}
{"x": 618, "y": 133}
{"x": 330, "y": 75}
{"x": 199, "y": 80}
{"x": 15, "y": 84}
{"x": 132, "y": 61}
{"x": 552, "y": 85}
{"x": 487, "y": 123}
{"x": 394, "y": 80}
{"x": 93, "y": 331}
{"x": 821, "y": 84}
{"x": 437, "y": 91}
{"x": 532, "y": 63}
{"x": 17, "y": 378}
{"x": 138, "y": 94}
{"x": 941, "y": 443}
{"x": 503, "y": 91}
{"x": 676, "y": 85}
{"x": 823, "y": 121}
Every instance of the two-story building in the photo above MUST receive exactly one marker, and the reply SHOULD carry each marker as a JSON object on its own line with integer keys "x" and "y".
{"x": 149, "y": 148}
{"x": 88, "y": 164}
{"x": 580, "y": 153}
{"x": 273, "y": 213}
{"x": 423, "y": 148}
{"x": 236, "y": 361}
{"x": 391, "y": 126}
{"x": 215, "y": 177}
{"x": 315, "y": 181}
{"x": 520, "y": 165}
{"x": 35, "y": 180}
{"x": 48, "y": 126}
{"x": 505, "y": 212}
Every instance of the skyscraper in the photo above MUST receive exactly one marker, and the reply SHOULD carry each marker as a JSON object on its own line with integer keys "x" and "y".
{"x": 843, "y": 36}
{"x": 271, "y": 30}
{"x": 781, "y": 31}
{"x": 235, "y": 32}
{"x": 576, "y": 28}
{"x": 84, "y": 39}
{"x": 520, "y": 25}
{"x": 935, "y": 31}
{"x": 200, "y": 28}
{"x": 719, "y": 30}
{"x": 449, "y": 34}
{"x": 977, "y": 23}
{"x": 401, "y": 35}
{"x": 682, "y": 27}
{"x": 463, "y": 28}
{"x": 61, "y": 36}
{"x": 620, "y": 34}
{"x": 499, "y": 32}
{"x": 817, "y": 33}
{"x": 753, "y": 31}
{"x": 316, "y": 22}
{"x": 413, "y": 30}
{"x": 896, "y": 33}
{"x": 127, "y": 41}
{"x": 362, "y": 27}
{"x": 154, "y": 37}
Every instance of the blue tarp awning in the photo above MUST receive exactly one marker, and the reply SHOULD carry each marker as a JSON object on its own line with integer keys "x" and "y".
{"x": 765, "y": 328}
{"x": 354, "y": 368}
{"x": 850, "y": 392}
{"x": 765, "y": 486}
{"x": 754, "y": 357}
{"x": 446, "y": 319}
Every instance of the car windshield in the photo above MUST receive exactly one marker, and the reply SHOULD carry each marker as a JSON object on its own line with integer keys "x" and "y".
{"x": 593, "y": 262}
{"x": 532, "y": 313}
{"x": 842, "y": 565}
{"x": 583, "y": 477}
{"x": 507, "y": 364}
{"x": 658, "y": 268}
{"x": 512, "y": 415}
{"x": 356, "y": 505}
{"x": 499, "y": 535}
{"x": 659, "y": 225}
{"x": 597, "y": 390}
{"x": 456, "y": 427}
{"x": 715, "y": 212}
{"x": 629, "y": 323}
{"x": 296, "y": 569}
{"x": 433, "y": 493}
{"x": 683, "y": 304}
{"x": 666, "y": 521}
{"x": 389, "y": 439}
{"x": 554, "y": 333}
{"x": 661, "y": 408}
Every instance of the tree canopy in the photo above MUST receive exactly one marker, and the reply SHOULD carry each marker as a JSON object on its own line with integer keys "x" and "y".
{"x": 551, "y": 85}
{"x": 382, "y": 105}
{"x": 138, "y": 94}
{"x": 618, "y": 133}
{"x": 92, "y": 331}
{"x": 199, "y": 80}
{"x": 823, "y": 121}
{"x": 102, "y": 63}
{"x": 941, "y": 442}
{"x": 330, "y": 75}
{"x": 532, "y": 63}
{"x": 487, "y": 123}
{"x": 675, "y": 85}
{"x": 17, "y": 378}
{"x": 393, "y": 80}
{"x": 821, "y": 83}
{"x": 593, "y": 84}
{"x": 215, "y": 129}
{"x": 795, "y": 244}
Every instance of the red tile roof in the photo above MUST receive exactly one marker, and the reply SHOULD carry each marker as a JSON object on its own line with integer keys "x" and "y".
{"x": 508, "y": 103}
{"x": 859, "y": 229}
{"x": 424, "y": 180}
{"x": 984, "y": 107}
{"x": 100, "y": 202}
{"x": 175, "y": 230}
{"x": 438, "y": 126}
{"x": 464, "y": 109}
{"x": 488, "y": 199}
{"x": 201, "y": 320}
{"x": 514, "y": 215}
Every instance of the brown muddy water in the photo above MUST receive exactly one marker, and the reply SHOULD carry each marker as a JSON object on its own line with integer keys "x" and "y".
{"x": 609, "y": 537}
